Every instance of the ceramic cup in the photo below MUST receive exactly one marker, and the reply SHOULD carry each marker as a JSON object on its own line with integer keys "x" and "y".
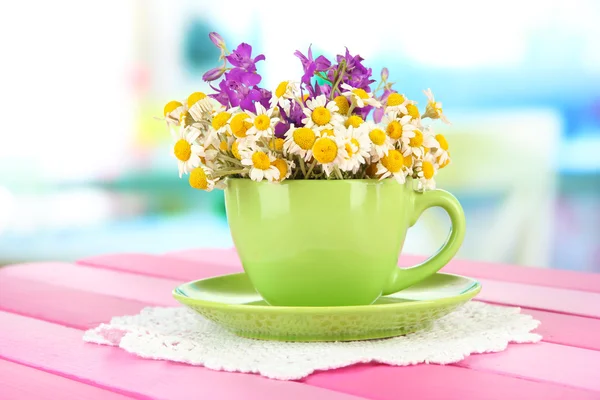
{"x": 332, "y": 243}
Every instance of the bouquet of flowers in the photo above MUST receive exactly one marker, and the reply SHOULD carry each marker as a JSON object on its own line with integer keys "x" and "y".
{"x": 328, "y": 125}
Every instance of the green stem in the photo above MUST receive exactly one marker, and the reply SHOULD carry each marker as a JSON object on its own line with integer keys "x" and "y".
{"x": 224, "y": 173}
{"x": 340, "y": 75}
{"x": 352, "y": 106}
{"x": 302, "y": 166}
{"x": 338, "y": 173}
{"x": 322, "y": 76}
{"x": 230, "y": 159}
{"x": 312, "y": 166}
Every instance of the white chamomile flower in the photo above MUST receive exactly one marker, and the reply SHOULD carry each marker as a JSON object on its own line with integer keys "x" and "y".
{"x": 357, "y": 146}
{"x": 330, "y": 152}
{"x": 360, "y": 96}
{"x": 416, "y": 142}
{"x": 260, "y": 164}
{"x": 262, "y": 122}
{"x": 220, "y": 120}
{"x": 173, "y": 112}
{"x": 380, "y": 142}
{"x": 397, "y": 128}
{"x": 426, "y": 169}
{"x": 285, "y": 91}
{"x": 299, "y": 141}
{"x": 200, "y": 178}
{"x": 434, "y": 108}
{"x": 284, "y": 166}
{"x": 321, "y": 113}
{"x": 200, "y": 106}
{"x": 239, "y": 124}
{"x": 396, "y": 102}
{"x": 392, "y": 165}
{"x": 186, "y": 150}
{"x": 441, "y": 151}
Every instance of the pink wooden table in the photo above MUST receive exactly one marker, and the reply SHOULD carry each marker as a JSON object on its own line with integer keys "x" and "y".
{"x": 45, "y": 307}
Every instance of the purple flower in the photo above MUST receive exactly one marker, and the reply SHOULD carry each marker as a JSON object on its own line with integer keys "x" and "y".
{"x": 356, "y": 75}
{"x": 213, "y": 74}
{"x": 217, "y": 40}
{"x": 379, "y": 112}
{"x": 240, "y": 75}
{"x": 296, "y": 114}
{"x": 310, "y": 67}
{"x": 385, "y": 74}
{"x": 281, "y": 128}
{"x": 242, "y": 57}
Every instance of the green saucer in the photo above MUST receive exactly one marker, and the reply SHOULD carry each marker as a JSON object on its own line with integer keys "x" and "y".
{"x": 232, "y": 302}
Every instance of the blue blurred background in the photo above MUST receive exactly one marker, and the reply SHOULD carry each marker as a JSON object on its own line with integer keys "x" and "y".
{"x": 86, "y": 169}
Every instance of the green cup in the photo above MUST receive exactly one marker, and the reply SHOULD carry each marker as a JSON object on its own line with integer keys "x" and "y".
{"x": 332, "y": 243}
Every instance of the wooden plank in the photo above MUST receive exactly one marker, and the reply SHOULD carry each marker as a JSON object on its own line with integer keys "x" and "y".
{"x": 162, "y": 266}
{"x": 91, "y": 285}
{"x": 60, "y": 350}
{"x": 546, "y": 362}
{"x": 477, "y": 269}
{"x": 24, "y": 383}
{"x": 516, "y": 294}
{"x": 151, "y": 290}
{"x": 567, "y": 301}
{"x": 448, "y": 382}
{"x": 83, "y": 310}
{"x": 568, "y": 330}
{"x": 227, "y": 256}
{"x": 65, "y": 306}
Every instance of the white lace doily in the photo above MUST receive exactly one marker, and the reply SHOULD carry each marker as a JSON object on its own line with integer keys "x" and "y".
{"x": 179, "y": 334}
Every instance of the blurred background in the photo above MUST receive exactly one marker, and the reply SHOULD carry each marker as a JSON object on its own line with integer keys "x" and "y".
{"x": 86, "y": 169}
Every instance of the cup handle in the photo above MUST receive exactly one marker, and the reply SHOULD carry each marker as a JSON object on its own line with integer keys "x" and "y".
{"x": 405, "y": 277}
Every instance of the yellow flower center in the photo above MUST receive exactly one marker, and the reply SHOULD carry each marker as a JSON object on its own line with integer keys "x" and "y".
{"x": 417, "y": 140}
{"x": 325, "y": 150}
{"x": 395, "y": 99}
{"x": 235, "y": 150}
{"x": 223, "y": 146}
{"x": 349, "y": 147}
{"x": 261, "y": 160}
{"x": 198, "y": 179}
{"x": 262, "y": 122}
{"x": 321, "y": 116}
{"x": 393, "y": 162}
{"x": 195, "y": 97}
{"x": 276, "y": 144}
{"x": 360, "y": 93}
{"x": 377, "y": 137}
{"x": 305, "y": 97}
{"x": 281, "y": 89}
{"x": 327, "y": 132}
{"x": 304, "y": 137}
{"x": 394, "y": 130}
{"x": 171, "y": 106}
{"x": 354, "y": 120}
{"x": 413, "y": 111}
{"x": 442, "y": 141}
{"x": 442, "y": 165}
{"x": 186, "y": 119}
{"x": 408, "y": 161}
{"x": 343, "y": 105}
{"x": 220, "y": 120}
{"x": 239, "y": 125}
{"x": 282, "y": 166}
{"x": 182, "y": 150}
{"x": 349, "y": 150}
{"x": 427, "y": 170}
